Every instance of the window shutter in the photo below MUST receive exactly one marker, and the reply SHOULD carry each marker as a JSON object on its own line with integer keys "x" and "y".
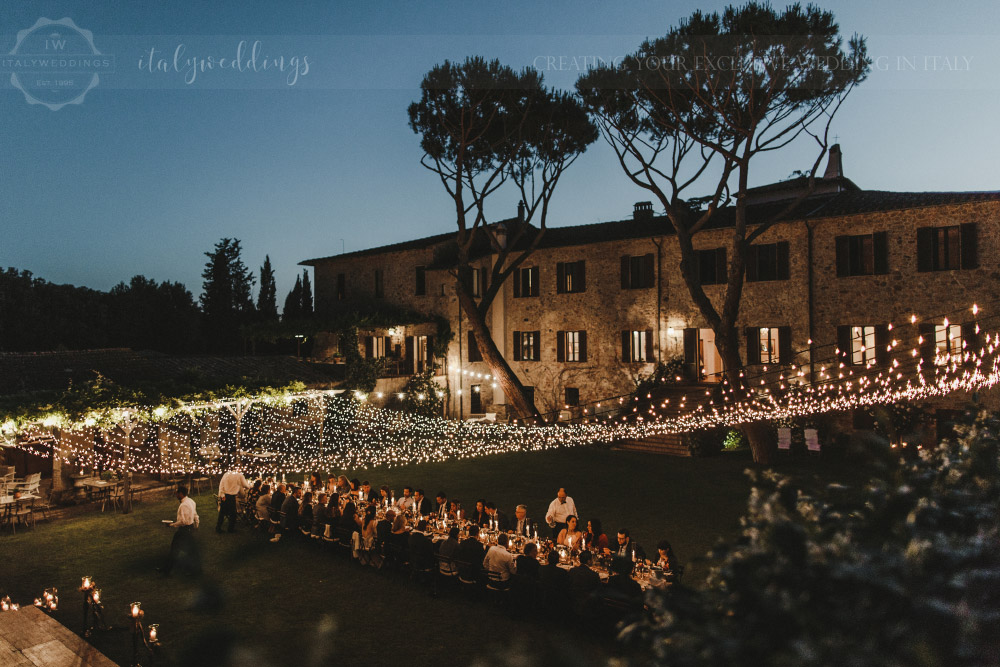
{"x": 430, "y": 349}
{"x": 410, "y": 352}
{"x": 721, "y": 270}
{"x": 843, "y": 256}
{"x": 925, "y": 249}
{"x": 970, "y": 259}
{"x": 517, "y": 282}
{"x": 844, "y": 343}
{"x": 649, "y": 345}
{"x": 783, "y": 272}
{"x": 388, "y": 345}
{"x": 785, "y": 345}
{"x": 753, "y": 346}
{"x": 369, "y": 347}
{"x": 581, "y": 276}
{"x": 534, "y": 280}
{"x": 880, "y": 250}
{"x": 583, "y": 346}
{"x": 560, "y": 278}
{"x": 625, "y": 259}
{"x": 882, "y": 340}
{"x": 927, "y": 349}
{"x": 972, "y": 340}
{"x": 647, "y": 270}
{"x": 751, "y": 267}
{"x": 691, "y": 346}
{"x": 626, "y": 353}
{"x": 517, "y": 346}
{"x": 560, "y": 346}
{"x": 537, "y": 346}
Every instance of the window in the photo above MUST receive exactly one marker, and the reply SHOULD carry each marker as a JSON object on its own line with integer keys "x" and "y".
{"x": 375, "y": 346}
{"x": 571, "y": 277}
{"x": 423, "y": 356}
{"x": 767, "y": 262}
{"x": 379, "y": 284}
{"x": 863, "y": 345}
{"x": 341, "y": 288}
{"x": 571, "y": 346}
{"x": 862, "y": 255}
{"x": 712, "y": 266}
{"x": 947, "y": 248}
{"x": 769, "y": 345}
{"x": 527, "y": 345}
{"x": 474, "y": 354}
{"x": 420, "y": 288}
{"x": 474, "y": 279}
{"x": 476, "y": 399}
{"x": 637, "y": 271}
{"x": 572, "y": 397}
{"x": 526, "y": 282}
{"x": 948, "y": 339}
{"x": 637, "y": 346}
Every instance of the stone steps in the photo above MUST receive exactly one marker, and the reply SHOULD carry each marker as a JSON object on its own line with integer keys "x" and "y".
{"x": 670, "y": 444}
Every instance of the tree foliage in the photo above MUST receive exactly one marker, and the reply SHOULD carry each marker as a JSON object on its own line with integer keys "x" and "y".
{"x": 267, "y": 297}
{"x": 423, "y": 396}
{"x": 226, "y": 299}
{"x": 905, "y": 571}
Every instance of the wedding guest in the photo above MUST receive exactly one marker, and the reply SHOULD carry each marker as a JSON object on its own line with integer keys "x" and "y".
{"x": 365, "y": 494}
{"x": 521, "y": 524}
{"x": 405, "y": 502}
{"x": 319, "y": 515}
{"x": 470, "y": 553}
{"x": 626, "y": 548}
{"x": 421, "y": 548}
{"x": 665, "y": 556}
{"x": 583, "y": 581}
{"x": 479, "y": 516}
{"x": 554, "y": 582}
{"x": 455, "y": 511}
{"x": 527, "y": 563}
{"x": 570, "y": 535}
{"x": 596, "y": 539}
{"x": 263, "y": 503}
{"x": 498, "y": 518}
{"x": 448, "y": 551}
{"x": 499, "y": 562}
{"x": 621, "y": 585}
{"x": 305, "y": 521}
{"x": 441, "y": 509}
{"x": 421, "y": 504}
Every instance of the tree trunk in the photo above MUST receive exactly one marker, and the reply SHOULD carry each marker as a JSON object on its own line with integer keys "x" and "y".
{"x": 727, "y": 343}
{"x": 505, "y": 377}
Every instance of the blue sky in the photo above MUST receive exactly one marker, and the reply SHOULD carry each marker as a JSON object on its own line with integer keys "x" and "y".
{"x": 149, "y": 171}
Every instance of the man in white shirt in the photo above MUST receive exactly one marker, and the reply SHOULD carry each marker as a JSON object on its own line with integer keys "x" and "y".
{"x": 405, "y": 503}
{"x": 560, "y": 508}
{"x": 499, "y": 562}
{"x": 183, "y": 548}
{"x": 230, "y": 486}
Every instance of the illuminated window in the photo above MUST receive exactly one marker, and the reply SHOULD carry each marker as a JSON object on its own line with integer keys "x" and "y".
{"x": 862, "y": 345}
{"x": 948, "y": 339}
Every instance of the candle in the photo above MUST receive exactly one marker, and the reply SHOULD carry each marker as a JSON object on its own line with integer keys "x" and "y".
{"x": 14, "y": 606}
{"x": 153, "y": 632}
{"x": 135, "y": 609}
{"x": 87, "y": 583}
{"x": 38, "y": 602}
{"x": 5, "y": 603}
{"x": 96, "y": 596}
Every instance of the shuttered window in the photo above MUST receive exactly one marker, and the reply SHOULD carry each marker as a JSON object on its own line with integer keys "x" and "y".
{"x": 769, "y": 345}
{"x": 637, "y": 346}
{"x": 712, "y": 266}
{"x": 526, "y": 282}
{"x": 571, "y": 346}
{"x": 637, "y": 271}
{"x": 862, "y": 254}
{"x": 947, "y": 248}
{"x": 571, "y": 277}
{"x": 767, "y": 262}
{"x": 527, "y": 345}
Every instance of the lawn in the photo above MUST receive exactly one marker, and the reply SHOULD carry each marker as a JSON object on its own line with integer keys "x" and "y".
{"x": 296, "y": 603}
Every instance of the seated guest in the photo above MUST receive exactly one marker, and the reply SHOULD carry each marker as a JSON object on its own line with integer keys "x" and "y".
{"x": 479, "y": 516}
{"x": 583, "y": 581}
{"x": 349, "y": 522}
{"x": 319, "y": 516}
{"x": 421, "y": 548}
{"x": 455, "y": 511}
{"x": 254, "y": 493}
{"x": 621, "y": 585}
{"x": 277, "y": 500}
{"x": 355, "y": 487}
{"x": 264, "y": 503}
{"x": 333, "y": 512}
{"x": 441, "y": 509}
{"x": 498, "y": 518}
{"x": 471, "y": 553}
{"x": 305, "y": 521}
{"x": 626, "y": 548}
{"x": 596, "y": 539}
{"x": 315, "y": 481}
{"x": 399, "y": 539}
{"x": 570, "y": 535}
{"x": 385, "y": 494}
{"x": 554, "y": 582}
{"x": 422, "y": 504}
{"x": 448, "y": 551}
{"x": 499, "y": 563}
{"x": 405, "y": 502}
{"x": 331, "y": 484}
{"x": 527, "y": 563}
{"x": 365, "y": 493}
{"x": 289, "y": 512}
{"x": 383, "y": 529}
{"x": 521, "y": 524}
{"x": 665, "y": 555}
{"x": 368, "y": 525}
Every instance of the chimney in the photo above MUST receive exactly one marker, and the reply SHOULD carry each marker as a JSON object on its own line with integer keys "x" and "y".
{"x": 834, "y": 166}
{"x": 643, "y": 210}
{"x": 520, "y": 211}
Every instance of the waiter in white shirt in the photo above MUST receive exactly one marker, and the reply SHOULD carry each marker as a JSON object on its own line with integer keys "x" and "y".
{"x": 183, "y": 548}
{"x": 560, "y": 508}
{"x": 230, "y": 486}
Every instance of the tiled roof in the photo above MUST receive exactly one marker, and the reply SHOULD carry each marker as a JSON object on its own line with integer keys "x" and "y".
{"x": 848, "y": 202}
{"x": 55, "y": 370}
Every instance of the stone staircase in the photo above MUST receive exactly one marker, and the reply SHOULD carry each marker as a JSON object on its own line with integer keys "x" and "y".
{"x": 671, "y": 444}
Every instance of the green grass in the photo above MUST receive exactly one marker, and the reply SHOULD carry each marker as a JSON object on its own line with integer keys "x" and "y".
{"x": 295, "y": 603}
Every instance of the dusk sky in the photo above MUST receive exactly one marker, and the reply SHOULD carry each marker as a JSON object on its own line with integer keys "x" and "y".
{"x": 149, "y": 171}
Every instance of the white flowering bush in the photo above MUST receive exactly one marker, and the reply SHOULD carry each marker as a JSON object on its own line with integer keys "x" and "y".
{"x": 905, "y": 571}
